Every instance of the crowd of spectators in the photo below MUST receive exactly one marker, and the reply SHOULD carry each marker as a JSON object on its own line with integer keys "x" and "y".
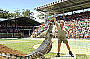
{"x": 76, "y": 16}
{"x": 78, "y": 26}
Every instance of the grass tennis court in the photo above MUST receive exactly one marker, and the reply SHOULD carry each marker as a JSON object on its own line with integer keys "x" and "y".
{"x": 79, "y": 47}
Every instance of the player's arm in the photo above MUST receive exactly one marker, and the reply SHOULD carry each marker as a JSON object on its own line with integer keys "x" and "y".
{"x": 55, "y": 22}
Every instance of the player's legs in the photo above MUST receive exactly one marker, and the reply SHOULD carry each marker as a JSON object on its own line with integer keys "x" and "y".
{"x": 59, "y": 45}
{"x": 68, "y": 47}
{"x": 66, "y": 42}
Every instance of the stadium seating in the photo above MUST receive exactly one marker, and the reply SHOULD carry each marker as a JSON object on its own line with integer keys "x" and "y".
{"x": 78, "y": 26}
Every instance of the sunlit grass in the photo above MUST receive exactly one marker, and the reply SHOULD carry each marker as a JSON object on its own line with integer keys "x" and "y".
{"x": 26, "y": 47}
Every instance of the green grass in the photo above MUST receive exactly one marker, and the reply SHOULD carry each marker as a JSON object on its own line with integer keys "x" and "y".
{"x": 26, "y": 47}
{"x": 82, "y": 56}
